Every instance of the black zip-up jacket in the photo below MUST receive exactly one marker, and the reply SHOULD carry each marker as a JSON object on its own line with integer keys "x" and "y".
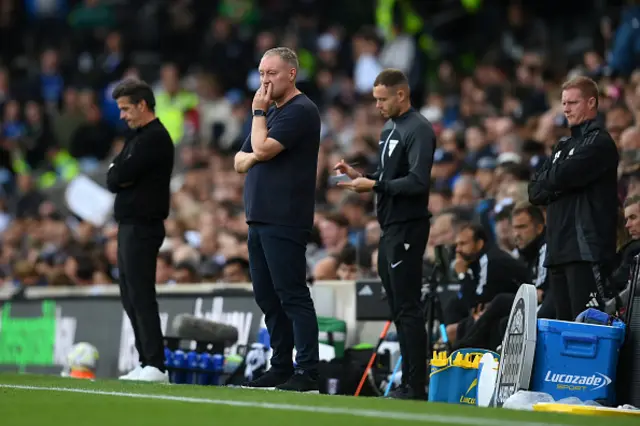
{"x": 140, "y": 175}
{"x": 406, "y": 148}
{"x": 494, "y": 272}
{"x": 625, "y": 259}
{"x": 578, "y": 184}
{"x": 534, "y": 256}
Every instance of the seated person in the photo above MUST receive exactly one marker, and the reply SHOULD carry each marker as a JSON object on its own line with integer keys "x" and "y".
{"x": 487, "y": 331}
{"x": 347, "y": 263}
{"x": 484, "y": 271}
{"x": 628, "y": 249}
{"x": 484, "y": 333}
{"x": 626, "y": 253}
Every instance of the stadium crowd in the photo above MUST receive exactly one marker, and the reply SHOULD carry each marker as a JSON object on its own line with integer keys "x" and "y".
{"x": 497, "y": 117}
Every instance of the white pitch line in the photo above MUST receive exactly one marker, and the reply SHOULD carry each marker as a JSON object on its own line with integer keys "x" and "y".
{"x": 394, "y": 415}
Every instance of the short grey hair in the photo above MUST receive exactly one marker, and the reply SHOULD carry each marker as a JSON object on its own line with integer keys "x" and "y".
{"x": 632, "y": 200}
{"x": 468, "y": 180}
{"x": 286, "y": 54}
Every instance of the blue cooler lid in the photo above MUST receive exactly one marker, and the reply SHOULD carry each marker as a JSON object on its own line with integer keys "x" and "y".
{"x": 602, "y": 331}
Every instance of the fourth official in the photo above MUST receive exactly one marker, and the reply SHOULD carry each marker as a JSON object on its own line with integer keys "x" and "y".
{"x": 401, "y": 183}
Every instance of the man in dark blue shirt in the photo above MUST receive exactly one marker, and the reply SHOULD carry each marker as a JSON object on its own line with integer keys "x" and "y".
{"x": 280, "y": 158}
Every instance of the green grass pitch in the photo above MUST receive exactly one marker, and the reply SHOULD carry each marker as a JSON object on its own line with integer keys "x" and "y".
{"x": 32, "y": 400}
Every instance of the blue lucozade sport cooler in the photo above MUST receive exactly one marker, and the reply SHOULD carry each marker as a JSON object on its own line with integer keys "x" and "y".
{"x": 577, "y": 359}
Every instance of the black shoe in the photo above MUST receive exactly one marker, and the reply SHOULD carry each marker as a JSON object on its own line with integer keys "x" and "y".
{"x": 399, "y": 392}
{"x": 269, "y": 380}
{"x": 300, "y": 382}
{"x": 408, "y": 392}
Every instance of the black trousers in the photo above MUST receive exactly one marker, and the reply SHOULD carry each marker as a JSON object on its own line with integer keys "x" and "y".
{"x": 400, "y": 257}
{"x": 278, "y": 273}
{"x": 576, "y": 287}
{"x": 138, "y": 246}
{"x": 488, "y": 331}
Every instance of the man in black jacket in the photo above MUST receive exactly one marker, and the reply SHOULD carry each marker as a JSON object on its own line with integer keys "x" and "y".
{"x": 488, "y": 330}
{"x": 578, "y": 184}
{"x": 626, "y": 254}
{"x": 528, "y": 225}
{"x": 401, "y": 183}
{"x": 140, "y": 176}
{"x": 484, "y": 271}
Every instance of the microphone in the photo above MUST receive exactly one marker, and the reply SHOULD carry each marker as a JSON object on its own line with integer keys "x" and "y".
{"x": 189, "y": 327}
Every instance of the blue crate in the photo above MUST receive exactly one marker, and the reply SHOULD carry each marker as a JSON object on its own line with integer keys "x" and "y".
{"x": 577, "y": 359}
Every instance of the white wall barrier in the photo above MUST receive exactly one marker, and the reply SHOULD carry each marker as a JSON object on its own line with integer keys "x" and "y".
{"x": 36, "y": 331}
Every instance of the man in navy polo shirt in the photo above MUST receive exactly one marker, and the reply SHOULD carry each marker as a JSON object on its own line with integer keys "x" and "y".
{"x": 280, "y": 158}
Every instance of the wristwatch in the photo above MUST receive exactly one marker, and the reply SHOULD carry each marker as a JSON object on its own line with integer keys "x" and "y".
{"x": 259, "y": 113}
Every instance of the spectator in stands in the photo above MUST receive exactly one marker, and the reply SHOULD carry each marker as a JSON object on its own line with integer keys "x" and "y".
{"x": 629, "y": 149}
{"x": 236, "y": 270}
{"x": 69, "y": 118}
{"x": 334, "y": 233}
{"x": 91, "y": 15}
{"x": 626, "y": 46}
{"x": 92, "y": 140}
{"x": 80, "y": 269}
{"x": 164, "y": 268}
{"x": 29, "y": 197}
{"x": 618, "y": 119}
{"x": 445, "y": 168}
{"x": 485, "y": 175}
{"x": 49, "y": 83}
{"x": 173, "y": 101}
{"x": 25, "y": 274}
{"x": 13, "y": 128}
{"x": 185, "y": 273}
{"x": 466, "y": 192}
{"x": 444, "y": 228}
{"x": 439, "y": 199}
{"x": 347, "y": 264}
{"x": 38, "y": 139}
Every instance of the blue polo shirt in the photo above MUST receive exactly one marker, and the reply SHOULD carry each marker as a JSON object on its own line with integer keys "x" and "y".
{"x": 281, "y": 191}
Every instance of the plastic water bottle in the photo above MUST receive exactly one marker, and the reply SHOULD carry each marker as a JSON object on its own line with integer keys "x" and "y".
{"x": 168, "y": 356}
{"x": 193, "y": 366}
{"x": 168, "y": 361}
{"x": 264, "y": 338}
{"x": 206, "y": 369}
{"x": 179, "y": 361}
{"x": 218, "y": 368}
